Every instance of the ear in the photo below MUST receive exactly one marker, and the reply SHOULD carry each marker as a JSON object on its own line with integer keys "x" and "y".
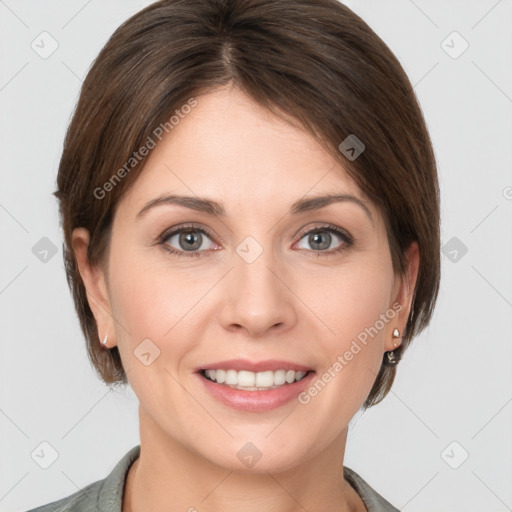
{"x": 95, "y": 286}
{"x": 403, "y": 294}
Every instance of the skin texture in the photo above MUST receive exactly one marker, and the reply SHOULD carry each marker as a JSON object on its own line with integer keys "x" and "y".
{"x": 288, "y": 304}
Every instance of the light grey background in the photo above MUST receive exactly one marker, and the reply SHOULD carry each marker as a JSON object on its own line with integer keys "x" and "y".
{"x": 454, "y": 384}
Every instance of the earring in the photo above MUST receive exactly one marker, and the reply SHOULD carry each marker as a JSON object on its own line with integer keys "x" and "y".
{"x": 104, "y": 342}
{"x": 389, "y": 357}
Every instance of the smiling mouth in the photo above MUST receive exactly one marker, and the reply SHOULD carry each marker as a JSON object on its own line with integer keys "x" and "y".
{"x": 254, "y": 381}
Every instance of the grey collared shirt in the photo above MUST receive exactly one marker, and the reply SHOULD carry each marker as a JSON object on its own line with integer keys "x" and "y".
{"x": 107, "y": 495}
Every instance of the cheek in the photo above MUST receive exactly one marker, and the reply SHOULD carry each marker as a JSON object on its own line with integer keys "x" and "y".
{"x": 349, "y": 303}
{"x": 150, "y": 303}
{"x": 351, "y": 298}
{"x": 354, "y": 307}
{"x": 150, "y": 297}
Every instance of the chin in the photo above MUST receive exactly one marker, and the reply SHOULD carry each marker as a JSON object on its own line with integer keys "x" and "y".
{"x": 258, "y": 457}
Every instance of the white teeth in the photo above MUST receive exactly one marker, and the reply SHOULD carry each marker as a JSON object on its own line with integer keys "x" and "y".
{"x": 259, "y": 380}
{"x": 231, "y": 377}
{"x": 246, "y": 379}
{"x": 280, "y": 378}
{"x": 263, "y": 379}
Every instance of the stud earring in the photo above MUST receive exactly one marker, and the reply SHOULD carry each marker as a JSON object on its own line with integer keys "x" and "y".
{"x": 389, "y": 357}
{"x": 104, "y": 342}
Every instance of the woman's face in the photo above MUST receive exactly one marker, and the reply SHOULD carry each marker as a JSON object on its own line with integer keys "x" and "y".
{"x": 259, "y": 282}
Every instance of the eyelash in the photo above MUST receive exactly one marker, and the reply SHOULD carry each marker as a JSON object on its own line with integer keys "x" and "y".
{"x": 347, "y": 239}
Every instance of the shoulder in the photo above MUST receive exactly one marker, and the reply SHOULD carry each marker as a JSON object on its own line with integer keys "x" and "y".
{"x": 372, "y": 499}
{"x": 84, "y": 499}
{"x": 105, "y": 495}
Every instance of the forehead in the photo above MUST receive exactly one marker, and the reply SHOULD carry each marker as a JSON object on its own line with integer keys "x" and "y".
{"x": 231, "y": 149}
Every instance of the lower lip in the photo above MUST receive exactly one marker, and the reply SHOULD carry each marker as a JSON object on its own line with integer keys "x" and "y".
{"x": 256, "y": 401}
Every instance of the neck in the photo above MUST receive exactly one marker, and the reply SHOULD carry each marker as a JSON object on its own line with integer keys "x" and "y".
{"x": 169, "y": 476}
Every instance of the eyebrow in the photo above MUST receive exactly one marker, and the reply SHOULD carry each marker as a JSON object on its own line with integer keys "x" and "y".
{"x": 211, "y": 207}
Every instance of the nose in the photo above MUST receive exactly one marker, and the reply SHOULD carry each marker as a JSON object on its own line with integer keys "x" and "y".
{"x": 257, "y": 297}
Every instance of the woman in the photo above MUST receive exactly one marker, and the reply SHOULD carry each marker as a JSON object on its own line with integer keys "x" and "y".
{"x": 250, "y": 205}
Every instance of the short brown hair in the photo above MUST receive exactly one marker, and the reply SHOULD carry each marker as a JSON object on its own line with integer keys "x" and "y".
{"x": 312, "y": 60}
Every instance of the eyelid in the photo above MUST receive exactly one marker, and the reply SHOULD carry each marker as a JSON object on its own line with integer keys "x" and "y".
{"x": 327, "y": 227}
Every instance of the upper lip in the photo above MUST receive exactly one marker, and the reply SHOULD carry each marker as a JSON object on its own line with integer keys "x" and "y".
{"x": 254, "y": 366}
